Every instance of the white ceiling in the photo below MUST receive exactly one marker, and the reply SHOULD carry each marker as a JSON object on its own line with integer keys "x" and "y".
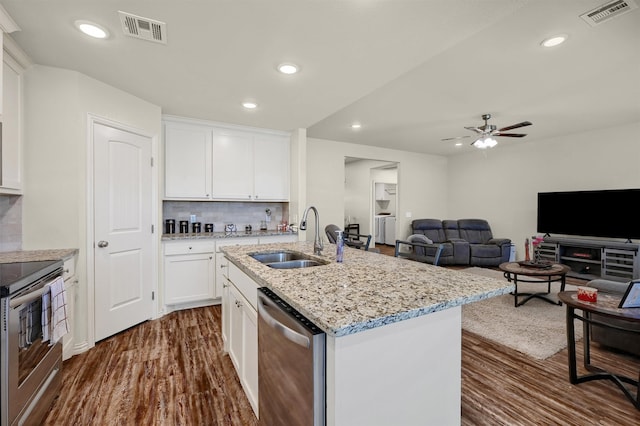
{"x": 411, "y": 72}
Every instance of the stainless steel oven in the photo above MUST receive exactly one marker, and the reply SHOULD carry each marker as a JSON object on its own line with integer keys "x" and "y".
{"x": 30, "y": 369}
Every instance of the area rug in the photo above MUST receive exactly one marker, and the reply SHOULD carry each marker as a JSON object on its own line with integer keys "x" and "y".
{"x": 536, "y": 328}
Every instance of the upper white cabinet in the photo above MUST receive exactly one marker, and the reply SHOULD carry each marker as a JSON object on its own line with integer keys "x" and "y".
{"x": 217, "y": 162}
{"x": 187, "y": 161}
{"x": 11, "y": 139}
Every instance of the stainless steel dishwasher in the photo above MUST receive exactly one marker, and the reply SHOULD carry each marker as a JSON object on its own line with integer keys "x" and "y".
{"x": 291, "y": 365}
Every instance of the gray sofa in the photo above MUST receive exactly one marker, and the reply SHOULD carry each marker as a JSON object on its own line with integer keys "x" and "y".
{"x": 616, "y": 339}
{"x": 463, "y": 241}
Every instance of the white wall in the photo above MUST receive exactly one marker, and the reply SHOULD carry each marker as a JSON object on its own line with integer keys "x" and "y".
{"x": 501, "y": 185}
{"x": 422, "y": 181}
{"x": 57, "y": 102}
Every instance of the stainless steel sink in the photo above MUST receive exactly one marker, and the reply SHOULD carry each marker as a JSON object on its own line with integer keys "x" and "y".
{"x": 294, "y": 264}
{"x": 286, "y": 260}
{"x": 281, "y": 256}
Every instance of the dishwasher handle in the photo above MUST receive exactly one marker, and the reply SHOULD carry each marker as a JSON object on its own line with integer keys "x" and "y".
{"x": 264, "y": 305}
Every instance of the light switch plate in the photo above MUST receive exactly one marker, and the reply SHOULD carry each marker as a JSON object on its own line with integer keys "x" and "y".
{"x": 407, "y": 214}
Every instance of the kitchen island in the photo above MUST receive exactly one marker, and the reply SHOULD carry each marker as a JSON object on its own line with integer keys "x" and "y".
{"x": 393, "y": 329}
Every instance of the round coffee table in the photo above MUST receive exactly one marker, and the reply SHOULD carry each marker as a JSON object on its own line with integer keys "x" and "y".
{"x": 513, "y": 271}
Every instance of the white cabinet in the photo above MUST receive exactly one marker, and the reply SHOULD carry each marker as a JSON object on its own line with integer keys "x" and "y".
{"x": 233, "y": 165}
{"x": 187, "y": 161}
{"x": 11, "y": 140}
{"x": 215, "y": 162}
{"x": 249, "y": 166}
{"x": 243, "y": 331}
{"x": 71, "y": 290}
{"x": 271, "y": 168}
{"x": 189, "y": 271}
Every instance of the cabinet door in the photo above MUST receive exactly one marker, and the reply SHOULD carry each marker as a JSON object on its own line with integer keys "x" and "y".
{"x": 249, "y": 376}
{"x": 271, "y": 159}
{"x": 235, "y": 328}
{"x": 11, "y": 142}
{"x": 189, "y": 278}
{"x": 232, "y": 165}
{"x": 187, "y": 161}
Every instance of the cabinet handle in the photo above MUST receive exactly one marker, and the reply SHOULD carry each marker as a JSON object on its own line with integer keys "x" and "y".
{"x": 210, "y": 257}
{"x": 223, "y": 266}
{"x": 224, "y": 285}
{"x": 190, "y": 248}
{"x": 249, "y": 196}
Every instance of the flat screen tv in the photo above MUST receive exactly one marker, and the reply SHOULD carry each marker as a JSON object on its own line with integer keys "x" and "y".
{"x": 606, "y": 213}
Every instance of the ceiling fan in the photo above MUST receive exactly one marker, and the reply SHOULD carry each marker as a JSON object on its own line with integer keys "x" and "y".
{"x": 488, "y": 131}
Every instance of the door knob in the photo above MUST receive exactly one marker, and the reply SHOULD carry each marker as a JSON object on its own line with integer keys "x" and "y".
{"x": 103, "y": 243}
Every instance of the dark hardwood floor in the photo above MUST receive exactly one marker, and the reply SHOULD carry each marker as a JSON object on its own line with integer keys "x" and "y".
{"x": 173, "y": 371}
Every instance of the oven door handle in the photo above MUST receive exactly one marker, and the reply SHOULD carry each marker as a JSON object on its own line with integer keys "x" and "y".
{"x": 32, "y": 295}
{"x": 264, "y": 305}
{"x": 27, "y": 298}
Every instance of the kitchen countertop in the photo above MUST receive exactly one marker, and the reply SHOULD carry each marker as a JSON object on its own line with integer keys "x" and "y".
{"x": 36, "y": 255}
{"x": 220, "y": 235}
{"x": 367, "y": 290}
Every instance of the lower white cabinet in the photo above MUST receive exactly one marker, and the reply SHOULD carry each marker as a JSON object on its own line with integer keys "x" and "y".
{"x": 189, "y": 272}
{"x": 71, "y": 290}
{"x": 243, "y": 332}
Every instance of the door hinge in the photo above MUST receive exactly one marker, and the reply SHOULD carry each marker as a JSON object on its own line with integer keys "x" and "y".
{"x": 153, "y": 229}
{"x": 153, "y": 295}
{"x": 151, "y": 161}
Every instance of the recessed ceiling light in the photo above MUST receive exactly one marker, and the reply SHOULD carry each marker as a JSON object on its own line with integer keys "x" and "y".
{"x": 250, "y": 105}
{"x": 91, "y": 29}
{"x": 554, "y": 41}
{"x": 356, "y": 126}
{"x": 288, "y": 68}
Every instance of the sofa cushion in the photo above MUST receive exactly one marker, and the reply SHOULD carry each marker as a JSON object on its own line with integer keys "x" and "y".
{"x": 475, "y": 231}
{"x": 609, "y": 286}
{"x": 431, "y": 228}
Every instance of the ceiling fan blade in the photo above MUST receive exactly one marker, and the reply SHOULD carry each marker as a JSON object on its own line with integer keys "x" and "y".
{"x": 511, "y": 135}
{"x": 454, "y": 138}
{"x": 475, "y": 129}
{"x": 515, "y": 126}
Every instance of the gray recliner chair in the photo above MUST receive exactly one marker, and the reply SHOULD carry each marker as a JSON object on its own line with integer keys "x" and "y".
{"x": 433, "y": 244}
{"x": 484, "y": 250}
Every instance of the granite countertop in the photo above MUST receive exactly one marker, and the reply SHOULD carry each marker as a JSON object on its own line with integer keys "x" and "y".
{"x": 218, "y": 235}
{"x": 367, "y": 290}
{"x": 36, "y": 255}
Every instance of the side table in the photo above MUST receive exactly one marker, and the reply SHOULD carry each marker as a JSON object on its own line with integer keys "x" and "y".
{"x": 607, "y": 305}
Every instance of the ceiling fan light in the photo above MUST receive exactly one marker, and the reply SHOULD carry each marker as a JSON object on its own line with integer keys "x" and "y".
{"x": 490, "y": 142}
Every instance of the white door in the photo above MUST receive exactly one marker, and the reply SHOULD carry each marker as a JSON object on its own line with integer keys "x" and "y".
{"x": 122, "y": 230}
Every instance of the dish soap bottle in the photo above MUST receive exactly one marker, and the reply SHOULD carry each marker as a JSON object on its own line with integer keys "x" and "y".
{"x": 339, "y": 247}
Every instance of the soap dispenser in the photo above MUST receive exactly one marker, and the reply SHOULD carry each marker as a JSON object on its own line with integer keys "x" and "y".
{"x": 339, "y": 247}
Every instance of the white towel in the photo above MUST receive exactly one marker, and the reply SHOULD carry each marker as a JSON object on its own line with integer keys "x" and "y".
{"x": 46, "y": 312}
{"x": 58, "y": 323}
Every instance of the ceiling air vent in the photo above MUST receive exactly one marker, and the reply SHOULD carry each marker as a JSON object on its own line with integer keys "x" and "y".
{"x": 143, "y": 28}
{"x": 607, "y": 11}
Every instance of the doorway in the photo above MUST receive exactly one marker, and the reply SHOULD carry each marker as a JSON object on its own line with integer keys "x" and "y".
{"x": 360, "y": 205}
{"x": 122, "y": 235}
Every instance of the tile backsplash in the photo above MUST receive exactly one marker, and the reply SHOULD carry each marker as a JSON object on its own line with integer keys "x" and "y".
{"x": 220, "y": 213}
{"x": 10, "y": 222}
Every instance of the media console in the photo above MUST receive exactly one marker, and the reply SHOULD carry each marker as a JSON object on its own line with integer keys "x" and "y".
{"x": 590, "y": 259}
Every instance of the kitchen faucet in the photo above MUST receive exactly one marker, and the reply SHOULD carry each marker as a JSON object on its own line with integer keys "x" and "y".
{"x": 317, "y": 243}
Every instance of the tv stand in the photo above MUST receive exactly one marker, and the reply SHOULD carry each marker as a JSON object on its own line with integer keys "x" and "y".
{"x": 590, "y": 259}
